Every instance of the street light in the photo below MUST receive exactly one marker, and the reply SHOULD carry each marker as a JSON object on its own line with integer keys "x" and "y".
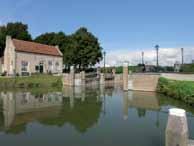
{"x": 182, "y": 55}
{"x": 104, "y": 53}
{"x": 157, "y": 50}
{"x": 142, "y": 55}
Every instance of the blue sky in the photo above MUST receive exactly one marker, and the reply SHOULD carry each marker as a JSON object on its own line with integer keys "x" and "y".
{"x": 130, "y": 25}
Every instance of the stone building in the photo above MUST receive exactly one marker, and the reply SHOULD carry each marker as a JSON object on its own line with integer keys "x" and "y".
{"x": 24, "y": 58}
{"x": 177, "y": 66}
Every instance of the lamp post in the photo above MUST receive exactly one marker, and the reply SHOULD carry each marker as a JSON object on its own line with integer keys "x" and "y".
{"x": 142, "y": 55}
{"x": 182, "y": 55}
{"x": 104, "y": 53}
{"x": 157, "y": 50}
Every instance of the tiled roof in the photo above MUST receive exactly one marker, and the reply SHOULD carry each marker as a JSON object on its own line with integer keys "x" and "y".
{"x": 32, "y": 47}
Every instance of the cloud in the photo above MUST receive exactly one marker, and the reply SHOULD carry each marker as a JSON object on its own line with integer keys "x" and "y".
{"x": 167, "y": 56}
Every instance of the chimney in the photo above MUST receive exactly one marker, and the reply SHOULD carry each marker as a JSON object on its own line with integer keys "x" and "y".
{"x": 8, "y": 39}
{"x": 57, "y": 46}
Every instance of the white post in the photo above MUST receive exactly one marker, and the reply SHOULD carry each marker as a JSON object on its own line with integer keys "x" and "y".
{"x": 125, "y": 76}
{"x": 177, "y": 128}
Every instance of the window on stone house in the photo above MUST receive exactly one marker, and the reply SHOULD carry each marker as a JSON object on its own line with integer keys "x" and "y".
{"x": 24, "y": 66}
{"x": 50, "y": 63}
{"x": 37, "y": 68}
{"x": 57, "y": 66}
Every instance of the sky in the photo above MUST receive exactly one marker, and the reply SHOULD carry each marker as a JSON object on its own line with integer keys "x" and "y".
{"x": 124, "y": 28}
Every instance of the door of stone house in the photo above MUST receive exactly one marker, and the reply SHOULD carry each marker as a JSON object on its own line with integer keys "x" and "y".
{"x": 41, "y": 68}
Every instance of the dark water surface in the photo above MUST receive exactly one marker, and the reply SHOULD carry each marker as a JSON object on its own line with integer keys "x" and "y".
{"x": 95, "y": 116}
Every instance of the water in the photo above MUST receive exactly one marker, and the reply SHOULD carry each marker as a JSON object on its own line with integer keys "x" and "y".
{"x": 97, "y": 116}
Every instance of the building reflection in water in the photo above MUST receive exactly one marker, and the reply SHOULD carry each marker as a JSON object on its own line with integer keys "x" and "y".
{"x": 78, "y": 106}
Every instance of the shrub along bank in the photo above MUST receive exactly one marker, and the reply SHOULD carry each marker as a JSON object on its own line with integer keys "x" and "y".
{"x": 182, "y": 90}
{"x": 33, "y": 81}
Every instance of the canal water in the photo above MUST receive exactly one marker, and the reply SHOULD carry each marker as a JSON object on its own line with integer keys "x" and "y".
{"x": 85, "y": 116}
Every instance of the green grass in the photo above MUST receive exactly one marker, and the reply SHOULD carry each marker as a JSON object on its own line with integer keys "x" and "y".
{"x": 182, "y": 90}
{"x": 34, "y": 81}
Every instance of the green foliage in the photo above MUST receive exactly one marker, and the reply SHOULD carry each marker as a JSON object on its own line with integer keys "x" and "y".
{"x": 16, "y": 30}
{"x": 119, "y": 69}
{"x": 88, "y": 48}
{"x": 51, "y": 39}
{"x": 182, "y": 90}
{"x": 187, "y": 68}
{"x": 31, "y": 82}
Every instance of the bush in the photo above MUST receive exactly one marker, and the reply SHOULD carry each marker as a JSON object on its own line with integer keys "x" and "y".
{"x": 187, "y": 68}
{"x": 182, "y": 90}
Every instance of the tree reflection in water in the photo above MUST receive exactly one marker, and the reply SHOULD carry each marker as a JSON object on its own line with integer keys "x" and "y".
{"x": 79, "y": 106}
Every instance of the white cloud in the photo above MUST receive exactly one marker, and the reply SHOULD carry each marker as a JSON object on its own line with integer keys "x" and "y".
{"x": 167, "y": 56}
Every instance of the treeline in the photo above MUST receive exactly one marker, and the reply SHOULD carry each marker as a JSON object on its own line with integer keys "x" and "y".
{"x": 80, "y": 49}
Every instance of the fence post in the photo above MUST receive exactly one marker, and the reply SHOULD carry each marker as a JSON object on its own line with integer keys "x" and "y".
{"x": 177, "y": 128}
{"x": 125, "y": 76}
{"x": 72, "y": 76}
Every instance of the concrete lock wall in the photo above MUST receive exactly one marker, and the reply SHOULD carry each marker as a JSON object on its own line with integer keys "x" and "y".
{"x": 143, "y": 82}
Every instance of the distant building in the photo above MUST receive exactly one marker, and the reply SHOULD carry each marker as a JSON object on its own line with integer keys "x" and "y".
{"x": 192, "y": 61}
{"x": 150, "y": 68}
{"x": 177, "y": 67}
{"x": 24, "y": 58}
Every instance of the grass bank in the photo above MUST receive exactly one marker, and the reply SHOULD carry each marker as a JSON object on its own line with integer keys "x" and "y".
{"x": 34, "y": 81}
{"x": 182, "y": 90}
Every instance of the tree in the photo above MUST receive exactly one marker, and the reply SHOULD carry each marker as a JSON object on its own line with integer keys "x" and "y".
{"x": 51, "y": 39}
{"x": 16, "y": 30}
{"x": 89, "y": 51}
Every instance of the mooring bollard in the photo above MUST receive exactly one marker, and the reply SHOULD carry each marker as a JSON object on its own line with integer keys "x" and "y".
{"x": 125, "y": 76}
{"x": 177, "y": 128}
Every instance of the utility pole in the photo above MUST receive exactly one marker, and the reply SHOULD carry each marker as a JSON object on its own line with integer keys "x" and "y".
{"x": 104, "y": 53}
{"x": 157, "y": 50}
{"x": 182, "y": 55}
{"x": 142, "y": 55}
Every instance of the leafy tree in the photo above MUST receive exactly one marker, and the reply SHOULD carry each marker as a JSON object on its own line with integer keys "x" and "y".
{"x": 51, "y": 38}
{"x": 89, "y": 51}
{"x": 16, "y": 30}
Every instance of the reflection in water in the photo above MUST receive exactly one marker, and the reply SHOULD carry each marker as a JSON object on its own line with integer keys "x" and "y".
{"x": 95, "y": 113}
{"x": 142, "y": 101}
{"x": 80, "y": 107}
